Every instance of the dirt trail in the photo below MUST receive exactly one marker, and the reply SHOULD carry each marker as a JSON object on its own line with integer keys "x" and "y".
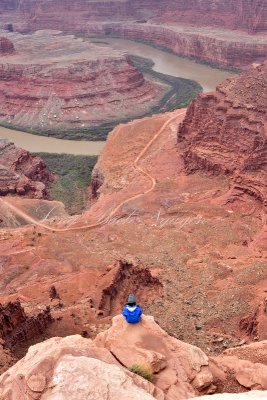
{"x": 29, "y": 219}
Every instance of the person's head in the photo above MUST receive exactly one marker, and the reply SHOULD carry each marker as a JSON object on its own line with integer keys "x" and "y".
{"x": 131, "y": 300}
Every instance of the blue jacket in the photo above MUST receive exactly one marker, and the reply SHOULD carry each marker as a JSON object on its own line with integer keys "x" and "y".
{"x": 132, "y": 314}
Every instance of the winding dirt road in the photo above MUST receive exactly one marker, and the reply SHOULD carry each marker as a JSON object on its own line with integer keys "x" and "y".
{"x": 31, "y": 220}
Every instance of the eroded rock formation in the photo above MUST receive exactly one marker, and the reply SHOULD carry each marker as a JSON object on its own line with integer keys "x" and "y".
{"x": 183, "y": 27}
{"x": 16, "y": 327}
{"x": 66, "y": 360}
{"x": 213, "y": 46}
{"x": 47, "y": 86}
{"x": 6, "y": 46}
{"x": 180, "y": 369}
{"x": 22, "y": 173}
{"x": 66, "y": 367}
{"x": 255, "y": 324}
{"x": 125, "y": 278}
{"x": 239, "y": 14}
{"x": 225, "y": 132}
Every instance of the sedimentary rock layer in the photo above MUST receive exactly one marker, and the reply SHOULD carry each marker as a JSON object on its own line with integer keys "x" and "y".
{"x": 225, "y": 132}
{"x": 16, "y": 327}
{"x": 181, "y": 26}
{"x": 58, "y": 82}
{"x": 6, "y": 46}
{"x": 22, "y": 173}
{"x": 222, "y": 47}
{"x": 233, "y": 14}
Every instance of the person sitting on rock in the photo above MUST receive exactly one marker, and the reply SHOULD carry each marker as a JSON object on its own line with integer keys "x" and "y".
{"x": 132, "y": 312}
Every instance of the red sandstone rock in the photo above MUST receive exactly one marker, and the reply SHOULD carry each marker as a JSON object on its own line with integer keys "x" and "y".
{"x": 70, "y": 367}
{"x": 166, "y": 23}
{"x": 16, "y": 327}
{"x": 254, "y": 352}
{"x": 6, "y": 358}
{"x": 6, "y": 46}
{"x": 225, "y": 132}
{"x": 198, "y": 248}
{"x": 22, "y": 173}
{"x": 125, "y": 278}
{"x": 249, "y": 375}
{"x": 39, "y": 209}
{"x": 213, "y": 46}
{"x": 176, "y": 364}
{"x": 217, "y": 47}
{"x": 238, "y": 14}
{"x": 58, "y": 82}
{"x": 255, "y": 324}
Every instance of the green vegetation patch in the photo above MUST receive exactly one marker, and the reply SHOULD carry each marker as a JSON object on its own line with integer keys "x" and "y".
{"x": 143, "y": 370}
{"x": 73, "y": 177}
{"x": 181, "y": 91}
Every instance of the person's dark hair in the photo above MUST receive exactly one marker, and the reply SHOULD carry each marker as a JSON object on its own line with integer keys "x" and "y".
{"x": 131, "y": 304}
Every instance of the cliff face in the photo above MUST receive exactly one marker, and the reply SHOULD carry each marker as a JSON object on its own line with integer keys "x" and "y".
{"x": 22, "y": 173}
{"x": 6, "y": 46}
{"x": 16, "y": 327}
{"x": 181, "y": 26}
{"x": 239, "y": 14}
{"x": 214, "y": 46}
{"x": 9, "y": 5}
{"x": 101, "y": 369}
{"x": 225, "y": 132}
{"x": 59, "y": 82}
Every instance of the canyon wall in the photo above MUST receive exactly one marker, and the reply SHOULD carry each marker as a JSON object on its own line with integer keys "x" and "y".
{"x": 225, "y": 132}
{"x": 6, "y": 46}
{"x": 16, "y": 327}
{"x": 216, "y": 47}
{"x": 22, "y": 173}
{"x": 239, "y": 14}
{"x": 183, "y": 27}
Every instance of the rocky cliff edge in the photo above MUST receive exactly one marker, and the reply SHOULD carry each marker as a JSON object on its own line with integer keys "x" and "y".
{"x": 77, "y": 368}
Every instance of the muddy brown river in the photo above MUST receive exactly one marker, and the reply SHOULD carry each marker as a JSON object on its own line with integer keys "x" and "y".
{"x": 166, "y": 63}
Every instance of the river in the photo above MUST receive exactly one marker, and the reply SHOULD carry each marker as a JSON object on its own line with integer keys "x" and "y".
{"x": 164, "y": 62}
{"x": 170, "y": 64}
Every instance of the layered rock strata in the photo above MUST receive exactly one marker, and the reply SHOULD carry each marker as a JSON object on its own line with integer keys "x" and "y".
{"x": 215, "y": 46}
{"x": 6, "y": 46}
{"x": 22, "y": 173}
{"x": 225, "y": 132}
{"x": 16, "y": 327}
{"x": 240, "y": 14}
{"x": 183, "y": 27}
{"x": 57, "y": 82}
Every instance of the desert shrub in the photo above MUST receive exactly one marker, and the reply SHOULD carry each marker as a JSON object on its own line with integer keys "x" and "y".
{"x": 73, "y": 179}
{"x": 143, "y": 370}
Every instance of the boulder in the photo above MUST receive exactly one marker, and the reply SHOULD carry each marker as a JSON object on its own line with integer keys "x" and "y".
{"x": 180, "y": 369}
{"x": 73, "y": 368}
{"x": 248, "y": 374}
{"x": 254, "y": 352}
